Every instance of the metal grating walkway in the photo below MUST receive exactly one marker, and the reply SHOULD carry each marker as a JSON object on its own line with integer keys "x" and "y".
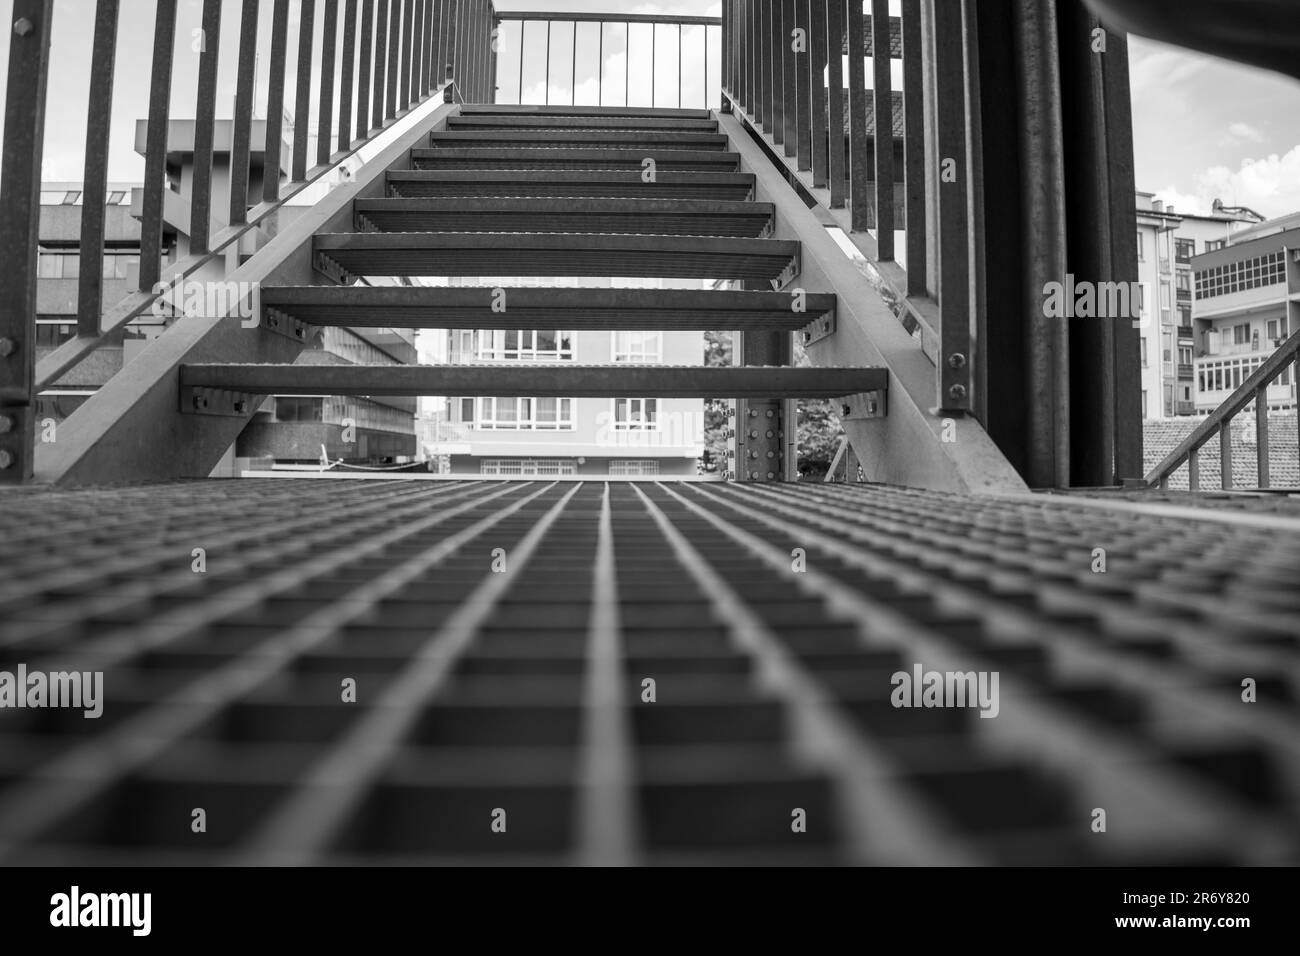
{"x": 521, "y": 690}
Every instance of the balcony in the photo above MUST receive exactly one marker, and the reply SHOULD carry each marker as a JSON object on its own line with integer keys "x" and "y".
{"x": 1184, "y": 408}
{"x": 1184, "y": 370}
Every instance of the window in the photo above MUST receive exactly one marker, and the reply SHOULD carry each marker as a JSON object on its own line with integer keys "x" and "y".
{"x": 299, "y": 408}
{"x": 1240, "y": 276}
{"x": 1272, "y": 329}
{"x": 1169, "y": 399}
{"x": 1183, "y": 281}
{"x": 54, "y": 333}
{"x": 1142, "y": 345}
{"x": 635, "y": 469}
{"x": 636, "y": 414}
{"x": 524, "y": 414}
{"x": 525, "y": 345}
{"x": 528, "y": 466}
{"x": 1167, "y": 349}
{"x": 1184, "y": 317}
{"x": 1184, "y": 249}
{"x": 1212, "y": 244}
{"x": 1164, "y": 295}
{"x": 467, "y": 411}
{"x": 1144, "y": 403}
{"x": 1184, "y": 355}
{"x": 1142, "y": 251}
{"x": 1241, "y": 334}
{"x": 641, "y": 347}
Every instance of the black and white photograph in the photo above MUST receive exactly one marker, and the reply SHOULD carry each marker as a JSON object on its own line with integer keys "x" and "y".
{"x": 449, "y": 436}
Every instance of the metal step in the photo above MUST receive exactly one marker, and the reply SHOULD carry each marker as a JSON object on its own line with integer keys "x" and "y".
{"x": 555, "y": 254}
{"x": 647, "y": 217}
{"x": 576, "y": 139}
{"x": 507, "y": 109}
{"x": 494, "y": 158}
{"x": 431, "y": 184}
{"x": 536, "y": 379}
{"x": 603, "y": 121}
{"x": 447, "y": 307}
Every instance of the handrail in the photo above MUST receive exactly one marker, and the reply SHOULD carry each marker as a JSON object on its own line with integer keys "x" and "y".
{"x": 1254, "y": 388}
{"x": 399, "y": 52}
{"x": 524, "y": 17}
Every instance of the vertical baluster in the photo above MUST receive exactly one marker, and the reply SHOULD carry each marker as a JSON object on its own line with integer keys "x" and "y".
{"x": 380, "y": 65}
{"x": 835, "y": 100}
{"x": 271, "y": 164}
{"x": 204, "y": 128}
{"x": 365, "y": 60}
{"x": 20, "y": 218}
{"x": 394, "y": 58}
{"x": 883, "y": 98}
{"x": 914, "y": 148}
{"x": 1225, "y": 454}
{"x": 954, "y": 233}
{"x": 325, "y": 113}
{"x": 90, "y": 290}
{"x": 302, "y": 98}
{"x": 1261, "y": 435}
{"x": 789, "y": 81}
{"x": 816, "y": 99}
{"x": 859, "y": 192}
{"x": 348, "y": 75}
{"x": 243, "y": 132}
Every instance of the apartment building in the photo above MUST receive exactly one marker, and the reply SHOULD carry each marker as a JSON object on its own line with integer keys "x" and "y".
{"x": 1246, "y": 303}
{"x": 1167, "y": 241}
{"x": 628, "y": 437}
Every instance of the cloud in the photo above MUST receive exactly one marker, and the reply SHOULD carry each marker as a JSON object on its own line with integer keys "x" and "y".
{"x": 1240, "y": 132}
{"x": 1183, "y": 202}
{"x": 1270, "y": 186}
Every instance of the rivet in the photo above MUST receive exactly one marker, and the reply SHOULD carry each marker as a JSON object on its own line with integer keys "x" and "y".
{"x": 957, "y": 392}
{"x": 956, "y": 360}
{"x": 7, "y": 346}
{"x": 23, "y": 27}
{"x": 6, "y": 424}
{"x": 6, "y": 459}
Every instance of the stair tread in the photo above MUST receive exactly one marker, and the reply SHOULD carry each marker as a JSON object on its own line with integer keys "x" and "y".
{"x": 556, "y": 254}
{"x": 530, "y": 121}
{"x": 645, "y": 216}
{"x": 433, "y": 183}
{"x": 536, "y": 379}
{"x": 499, "y": 109}
{"x": 500, "y": 158}
{"x": 547, "y": 138}
{"x": 453, "y": 307}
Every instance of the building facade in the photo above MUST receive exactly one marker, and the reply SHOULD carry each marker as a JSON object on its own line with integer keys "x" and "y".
{"x": 1167, "y": 242}
{"x": 1246, "y": 303}
{"x": 556, "y": 436}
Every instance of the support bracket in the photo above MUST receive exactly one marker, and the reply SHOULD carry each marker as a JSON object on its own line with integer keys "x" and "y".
{"x": 864, "y": 405}
{"x": 201, "y": 400}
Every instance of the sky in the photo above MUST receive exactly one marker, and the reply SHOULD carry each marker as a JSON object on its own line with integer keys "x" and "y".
{"x": 1203, "y": 127}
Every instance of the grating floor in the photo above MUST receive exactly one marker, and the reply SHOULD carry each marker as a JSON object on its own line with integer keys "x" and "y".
{"x": 500, "y": 715}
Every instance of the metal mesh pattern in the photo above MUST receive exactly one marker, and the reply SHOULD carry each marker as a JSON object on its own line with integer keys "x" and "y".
{"x": 501, "y": 715}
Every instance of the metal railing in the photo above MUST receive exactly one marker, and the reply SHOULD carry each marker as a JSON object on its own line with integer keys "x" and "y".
{"x": 518, "y": 46}
{"x": 392, "y": 56}
{"x": 978, "y": 153}
{"x": 1253, "y": 389}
